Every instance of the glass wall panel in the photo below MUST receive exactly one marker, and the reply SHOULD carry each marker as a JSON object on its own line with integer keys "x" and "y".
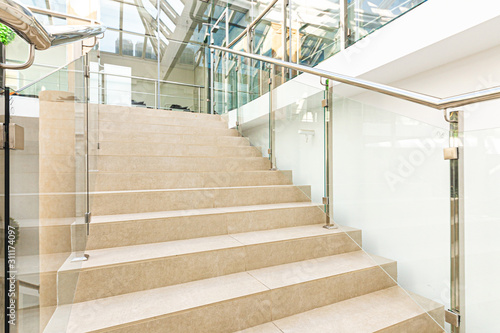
{"x": 365, "y": 16}
{"x": 48, "y": 198}
{"x": 482, "y": 226}
{"x": 390, "y": 180}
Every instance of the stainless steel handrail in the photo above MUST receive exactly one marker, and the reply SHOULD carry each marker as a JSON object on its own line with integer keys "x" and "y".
{"x": 56, "y": 69}
{"x": 24, "y": 23}
{"x": 427, "y": 100}
{"x": 254, "y": 22}
{"x": 61, "y": 15}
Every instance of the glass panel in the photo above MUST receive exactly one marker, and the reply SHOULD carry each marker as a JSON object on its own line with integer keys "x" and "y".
{"x": 110, "y": 14}
{"x": 315, "y": 31}
{"x": 299, "y": 136}
{"x": 366, "y": 16}
{"x": 390, "y": 180}
{"x": 183, "y": 76}
{"x": 132, "y": 19}
{"x": 48, "y": 198}
{"x": 253, "y": 116}
{"x": 482, "y": 222}
{"x": 110, "y": 42}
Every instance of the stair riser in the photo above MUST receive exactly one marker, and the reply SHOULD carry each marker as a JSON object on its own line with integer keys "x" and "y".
{"x": 152, "y": 138}
{"x": 155, "y": 128}
{"x": 135, "y": 232}
{"x": 422, "y": 323}
{"x": 179, "y": 164}
{"x": 140, "y": 202}
{"x": 176, "y": 180}
{"x": 145, "y": 113}
{"x": 141, "y": 149}
{"x": 136, "y": 119}
{"x": 106, "y": 281}
{"x": 238, "y": 314}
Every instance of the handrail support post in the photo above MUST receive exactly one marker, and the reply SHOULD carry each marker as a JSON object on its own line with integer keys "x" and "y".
{"x": 457, "y": 227}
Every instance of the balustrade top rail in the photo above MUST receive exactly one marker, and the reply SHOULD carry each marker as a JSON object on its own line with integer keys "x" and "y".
{"x": 415, "y": 97}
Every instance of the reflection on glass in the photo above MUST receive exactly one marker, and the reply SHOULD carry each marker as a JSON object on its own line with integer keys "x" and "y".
{"x": 366, "y": 16}
{"x": 110, "y": 14}
{"x": 132, "y": 45}
{"x": 132, "y": 20}
{"x": 110, "y": 42}
{"x": 150, "y": 51}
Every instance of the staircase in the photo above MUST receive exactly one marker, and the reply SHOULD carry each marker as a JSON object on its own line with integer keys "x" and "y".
{"x": 191, "y": 232}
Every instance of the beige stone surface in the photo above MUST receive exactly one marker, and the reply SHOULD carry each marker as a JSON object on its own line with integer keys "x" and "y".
{"x": 120, "y": 270}
{"x": 151, "y": 227}
{"x": 126, "y": 202}
{"x": 116, "y": 181}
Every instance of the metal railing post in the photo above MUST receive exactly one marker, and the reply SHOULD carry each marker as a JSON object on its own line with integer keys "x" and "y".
{"x": 327, "y": 105}
{"x": 455, "y": 154}
{"x": 343, "y": 24}
{"x": 157, "y": 95}
{"x": 283, "y": 39}
{"x": 272, "y": 119}
{"x": 199, "y": 99}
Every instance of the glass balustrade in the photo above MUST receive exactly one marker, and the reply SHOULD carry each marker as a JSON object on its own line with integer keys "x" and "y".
{"x": 49, "y": 196}
{"x": 482, "y": 216}
{"x": 385, "y": 176}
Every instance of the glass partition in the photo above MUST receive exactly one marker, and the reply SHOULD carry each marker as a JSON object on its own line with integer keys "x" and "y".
{"x": 299, "y": 136}
{"x": 49, "y": 197}
{"x": 482, "y": 222}
{"x": 390, "y": 180}
{"x": 364, "y": 17}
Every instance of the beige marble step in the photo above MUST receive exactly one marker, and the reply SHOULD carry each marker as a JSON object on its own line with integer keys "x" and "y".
{"x": 121, "y": 270}
{"x": 153, "y": 227}
{"x": 231, "y": 302}
{"x": 144, "y": 112}
{"x": 178, "y": 149}
{"x": 184, "y": 164}
{"x": 117, "y": 181}
{"x": 153, "y": 138}
{"x": 176, "y": 119}
{"x": 160, "y": 128}
{"x": 141, "y": 201}
{"x": 389, "y": 310}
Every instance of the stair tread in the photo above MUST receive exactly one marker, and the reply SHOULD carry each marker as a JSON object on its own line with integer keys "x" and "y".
{"x": 368, "y": 313}
{"x": 193, "y": 212}
{"x": 143, "y": 252}
{"x": 143, "y": 305}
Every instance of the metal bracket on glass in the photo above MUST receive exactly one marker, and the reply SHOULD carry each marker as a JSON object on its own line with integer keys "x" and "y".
{"x": 321, "y": 82}
{"x": 324, "y": 103}
{"x": 16, "y": 136}
{"x": 451, "y": 153}
{"x": 452, "y": 317}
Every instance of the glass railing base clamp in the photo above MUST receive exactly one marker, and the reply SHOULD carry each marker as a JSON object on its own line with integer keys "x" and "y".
{"x": 330, "y": 226}
{"x": 85, "y": 257}
{"x": 452, "y": 317}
